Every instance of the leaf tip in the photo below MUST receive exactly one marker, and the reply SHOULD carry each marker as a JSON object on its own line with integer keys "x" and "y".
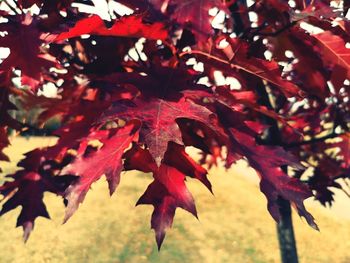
{"x": 158, "y": 161}
{"x": 27, "y": 229}
{"x": 71, "y": 208}
{"x": 314, "y": 226}
{"x": 159, "y": 239}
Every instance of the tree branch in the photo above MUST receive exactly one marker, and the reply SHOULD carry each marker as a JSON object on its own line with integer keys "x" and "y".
{"x": 277, "y": 32}
{"x": 11, "y": 7}
{"x": 312, "y": 141}
{"x": 18, "y": 6}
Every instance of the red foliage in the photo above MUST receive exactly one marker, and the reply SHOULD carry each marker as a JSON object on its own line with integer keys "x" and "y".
{"x": 135, "y": 91}
{"x": 130, "y": 26}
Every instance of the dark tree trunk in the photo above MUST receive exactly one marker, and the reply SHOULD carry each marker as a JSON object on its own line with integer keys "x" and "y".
{"x": 285, "y": 232}
{"x": 285, "y": 228}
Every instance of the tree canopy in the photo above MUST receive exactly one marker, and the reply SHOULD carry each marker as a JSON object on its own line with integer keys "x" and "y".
{"x": 265, "y": 81}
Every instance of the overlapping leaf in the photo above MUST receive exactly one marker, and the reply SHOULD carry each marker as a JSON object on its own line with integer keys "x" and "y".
{"x": 158, "y": 119}
{"x": 168, "y": 190}
{"x": 274, "y": 182}
{"x": 128, "y": 97}
{"x": 336, "y": 55}
{"x": 23, "y": 38}
{"x": 107, "y": 160}
{"x": 28, "y": 187}
{"x": 184, "y": 12}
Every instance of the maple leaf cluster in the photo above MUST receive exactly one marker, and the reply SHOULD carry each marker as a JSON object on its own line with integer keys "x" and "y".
{"x": 133, "y": 92}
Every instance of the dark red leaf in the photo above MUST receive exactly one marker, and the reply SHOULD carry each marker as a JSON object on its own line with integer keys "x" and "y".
{"x": 27, "y": 189}
{"x": 107, "y": 160}
{"x": 167, "y": 192}
{"x": 158, "y": 119}
{"x": 336, "y": 55}
{"x": 267, "y": 161}
{"x": 23, "y": 38}
{"x": 184, "y": 12}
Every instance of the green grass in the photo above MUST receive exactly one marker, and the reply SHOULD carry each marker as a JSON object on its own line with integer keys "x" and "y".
{"x": 233, "y": 226}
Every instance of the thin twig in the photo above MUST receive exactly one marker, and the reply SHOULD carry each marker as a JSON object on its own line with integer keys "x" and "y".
{"x": 11, "y": 7}
{"x": 18, "y": 6}
{"x": 312, "y": 141}
{"x": 345, "y": 192}
{"x": 346, "y": 183}
{"x": 276, "y": 33}
{"x": 109, "y": 10}
{"x": 198, "y": 52}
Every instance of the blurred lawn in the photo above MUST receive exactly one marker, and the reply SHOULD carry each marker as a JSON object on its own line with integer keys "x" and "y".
{"x": 233, "y": 226}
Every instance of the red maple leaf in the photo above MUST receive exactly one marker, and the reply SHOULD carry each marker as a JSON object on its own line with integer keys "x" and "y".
{"x": 166, "y": 193}
{"x": 168, "y": 190}
{"x": 125, "y": 100}
{"x": 107, "y": 160}
{"x": 336, "y": 55}
{"x": 184, "y": 12}
{"x": 28, "y": 187}
{"x": 23, "y": 38}
{"x": 313, "y": 78}
{"x": 128, "y": 26}
{"x": 267, "y": 161}
{"x": 236, "y": 57}
{"x": 158, "y": 119}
